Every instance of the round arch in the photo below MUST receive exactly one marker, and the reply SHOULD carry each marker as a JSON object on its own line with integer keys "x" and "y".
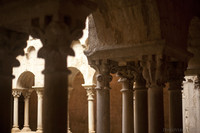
{"x": 31, "y": 52}
{"x": 26, "y": 80}
{"x": 72, "y": 75}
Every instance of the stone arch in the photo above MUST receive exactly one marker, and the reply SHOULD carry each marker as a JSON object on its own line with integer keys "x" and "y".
{"x": 74, "y": 72}
{"x": 94, "y": 78}
{"x": 26, "y": 80}
{"x": 77, "y": 102}
{"x": 31, "y": 52}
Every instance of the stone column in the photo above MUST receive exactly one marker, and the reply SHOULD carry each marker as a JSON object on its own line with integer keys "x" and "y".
{"x": 26, "y": 94}
{"x": 176, "y": 77}
{"x": 103, "y": 67}
{"x": 70, "y": 89}
{"x": 91, "y": 118}
{"x": 154, "y": 73}
{"x": 57, "y": 31}
{"x": 141, "y": 106}
{"x": 39, "y": 111}
{"x": 11, "y": 45}
{"x": 16, "y": 94}
{"x": 126, "y": 78}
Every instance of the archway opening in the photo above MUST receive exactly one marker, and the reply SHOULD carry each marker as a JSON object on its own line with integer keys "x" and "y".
{"x": 78, "y": 111}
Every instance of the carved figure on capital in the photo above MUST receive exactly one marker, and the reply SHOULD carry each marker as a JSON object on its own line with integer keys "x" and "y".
{"x": 126, "y": 74}
{"x": 154, "y": 70}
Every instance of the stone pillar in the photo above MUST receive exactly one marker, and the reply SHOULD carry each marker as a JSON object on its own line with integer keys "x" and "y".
{"x": 91, "y": 118}
{"x": 176, "y": 77}
{"x": 103, "y": 68}
{"x": 11, "y": 45}
{"x": 70, "y": 89}
{"x": 57, "y": 31}
{"x": 154, "y": 73}
{"x": 141, "y": 106}
{"x": 126, "y": 78}
{"x": 39, "y": 111}
{"x": 26, "y": 93}
{"x": 16, "y": 94}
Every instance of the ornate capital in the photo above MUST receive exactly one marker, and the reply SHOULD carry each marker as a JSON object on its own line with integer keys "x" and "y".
{"x": 12, "y": 44}
{"x": 90, "y": 91}
{"x": 104, "y": 68}
{"x": 27, "y": 93}
{"x": 175, "y": 74}
{"x": 40, "y": 93}
{"x": 16, "y": 93}
{"x": 58, "y": 28}
{"x": 197, "y": 82}
{"x": 126, "y": 74}
{"x": 154, "y": 70}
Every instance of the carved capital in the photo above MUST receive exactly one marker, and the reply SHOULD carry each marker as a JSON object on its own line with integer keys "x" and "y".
{"x": 140, "y": 82}
{"x": 39, "y": 92}
{"x": 12, "y": 44}
{"x": 27, "y": 93}
{"x": 104, "y": 68}
{"x": 126, "y": 74}
{"x": 90, "y": 91}
{"x": 154, "y": 70}
{"x": 175, "y": 74}
{"x": 197, "y": 82}
{"x": 16, "y": 93}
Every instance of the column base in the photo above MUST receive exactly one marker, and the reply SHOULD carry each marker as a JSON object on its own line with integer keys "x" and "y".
{"x": 91, "y": 131}
{"x": 26, "y": 129}
{"x": 15, "y": 130}
{"x": 69, "y": 131}
{"x": 39, "y": 131}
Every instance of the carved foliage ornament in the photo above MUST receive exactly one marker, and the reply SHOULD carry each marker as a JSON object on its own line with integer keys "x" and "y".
{"x": 16, "y": 93}
{"x": 104, "y": 68}
{"x": 57, "y": 30}
{"x": 126, "y": 74}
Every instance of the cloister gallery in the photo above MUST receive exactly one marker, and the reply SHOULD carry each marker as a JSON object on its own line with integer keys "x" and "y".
{"x": 104, "y": 66}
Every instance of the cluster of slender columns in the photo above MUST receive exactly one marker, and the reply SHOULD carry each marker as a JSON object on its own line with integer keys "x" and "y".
{"x": 148, "y": 92}
{"x": 26, "y": 93}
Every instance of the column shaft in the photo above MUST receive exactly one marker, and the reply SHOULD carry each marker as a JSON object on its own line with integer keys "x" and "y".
{"x": 91, "y": 119}
{"x": 91, "y": 116}
{"x": 175, "y": 111}
{"x": 39, "y": 111}
{"x": 103, "y": 111}
{"x": 5, "y": 101}
{"x": 11, "y": 45}
{"x": 26, "y": 113}
{"x": 15, "y": 113}
{"x": 141, "y": 102}
{"x": 176, "y": 77}
{"x": 141, "y": 111}
{"x": 55, "y": 96}
{"x": 16, "y": 94}
{"x": 103, "y": 95}
{"x": 127, "y": 107}
{"x": 155, "y": 109}
{"x": 90, "y": 94}
{"x": 26, "y": 94}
